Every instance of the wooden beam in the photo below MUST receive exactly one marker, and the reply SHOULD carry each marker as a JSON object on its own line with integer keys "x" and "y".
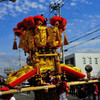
{"x": 83, "y": 82}
{"x": 45, "y": 87}
{"x": 42, "y": 55}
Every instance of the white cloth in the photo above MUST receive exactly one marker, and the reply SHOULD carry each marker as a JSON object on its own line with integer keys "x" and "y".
{"x": 12, "y": 98}
{"x": 63, "y": 96}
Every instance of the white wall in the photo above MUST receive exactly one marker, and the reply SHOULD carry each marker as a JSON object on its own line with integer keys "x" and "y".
{"x": 79, "y": 62}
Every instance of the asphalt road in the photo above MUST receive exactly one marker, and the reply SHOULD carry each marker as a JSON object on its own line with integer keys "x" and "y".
{"x": 31, "y": 96}
{"x": 25, "y": 96}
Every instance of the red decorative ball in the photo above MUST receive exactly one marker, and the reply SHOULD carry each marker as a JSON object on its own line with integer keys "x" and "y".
{"x": 20, "y": 24}
{"x": 63, "y": 23}
{"x": 38, "y": 18}
{"x": 17, "y": 31}
{"x": 25, "y": 21}
{"x": 29, "y": 22}
{"x": 54, "y": 19}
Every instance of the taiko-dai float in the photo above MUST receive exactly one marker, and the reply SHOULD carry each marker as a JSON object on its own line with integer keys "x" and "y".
{"x": 41, "y": 43}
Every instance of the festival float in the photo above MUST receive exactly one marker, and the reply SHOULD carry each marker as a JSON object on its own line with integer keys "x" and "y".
{"x": 41, "y": 42}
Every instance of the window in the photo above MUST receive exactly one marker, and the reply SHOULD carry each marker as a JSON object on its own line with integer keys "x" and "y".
{"x": 90, "y": 61}
{"x": 84, "y": 60}
{"x": 96, "y": 61}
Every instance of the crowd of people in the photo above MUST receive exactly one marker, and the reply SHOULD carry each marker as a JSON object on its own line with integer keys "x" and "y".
{"x": 87, "y": 91}
{"x": 83, "y": 92}
{"x": 62, "y": 90}
{"x": 4, "y": 87}
{"x": 50, "y": 78}
{"x": 60, "y": 93}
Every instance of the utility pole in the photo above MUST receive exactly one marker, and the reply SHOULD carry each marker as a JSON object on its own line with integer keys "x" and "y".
{"x": 63, "y": 58}
{"x": 57, "y": 7}
{"x": 19, "y": 58}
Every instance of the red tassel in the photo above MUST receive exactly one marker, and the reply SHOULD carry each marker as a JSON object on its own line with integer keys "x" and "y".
{"x": 15, "y": 45}
{"x": 65, "y": 40}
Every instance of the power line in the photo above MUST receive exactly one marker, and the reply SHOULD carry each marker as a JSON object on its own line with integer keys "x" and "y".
{"x": 87, "y": 30}
{"x": 82, "y": 43}
{"x": 56, "y": 6}
{"x": 84, "y": 36}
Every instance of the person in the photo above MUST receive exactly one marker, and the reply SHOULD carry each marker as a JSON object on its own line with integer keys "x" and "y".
{"x": 38, "y": 94}
{"x": 55, "y": 91}
{"x": 89, "y": 90}
{"x": 3, "y": 87}
{"x": 1, "y": 79}
{"x": 72, "y": 90}
{"x": 48, "y": 72}
{"x": 56, "y": 79}
{"x": 81, "y": 92}
{"x": 49, "y": 79}
{"x": 98, "y": 84}
{"x": 95, "y": 91}
{"x": 32, "y": 81}
{"x": 63, "y": 89}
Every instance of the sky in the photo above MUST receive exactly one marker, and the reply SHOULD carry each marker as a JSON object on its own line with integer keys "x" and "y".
{"x": 83, "y": 17}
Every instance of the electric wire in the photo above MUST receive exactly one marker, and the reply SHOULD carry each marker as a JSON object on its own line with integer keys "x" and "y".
{"x": 82, "y": 43}
{"x": 86, "y": 31}
{"x": 84, "y": 36}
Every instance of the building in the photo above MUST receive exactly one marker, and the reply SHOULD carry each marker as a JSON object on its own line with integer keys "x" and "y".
{"x": 7, "y": 71}
{"x": 82, "y": 59}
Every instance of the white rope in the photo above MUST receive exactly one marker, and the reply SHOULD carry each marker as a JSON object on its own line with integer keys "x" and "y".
{"x": 46, "y": 87}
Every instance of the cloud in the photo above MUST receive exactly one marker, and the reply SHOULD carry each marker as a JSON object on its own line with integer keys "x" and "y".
{"x": 82, "y": 50}
{"x": 25, "y": 7}
{"x": 2, "y": 53}
{"x": 81, "y": 1}
{"x": 13, "y": 14}
{"x": 51, "y": 1}
{"x": 34, "y": 5}
{"x": 9, "y": 5}
{"x": 92, "y": 46}
{"x": 86, "y": 2}
{"x": 94, "y": 16}
{"x": 92, "y": 43}
{"x": 97, "y": 16}
{"x": 42, "y": 7}
{"x": 47, "y": 4}
{"x": 19, "y": 7}
{"x": 7, "y": 9}
{"x": 3, "y": 12}
{"x": 80, "y": 26}
{"x": 10, "y": 59}
{"x": 89, "y": 3}
{"x": 69, "y": 30}
{"x": 88, "y": 50}
{"x": 73, "y": 4}
{"x": 41, "y": 0}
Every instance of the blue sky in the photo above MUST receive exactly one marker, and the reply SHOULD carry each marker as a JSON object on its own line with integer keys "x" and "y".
{"x": 83, "y": 16}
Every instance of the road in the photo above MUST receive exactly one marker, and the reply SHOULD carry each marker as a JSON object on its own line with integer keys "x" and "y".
{"x": 31, "y": 96}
